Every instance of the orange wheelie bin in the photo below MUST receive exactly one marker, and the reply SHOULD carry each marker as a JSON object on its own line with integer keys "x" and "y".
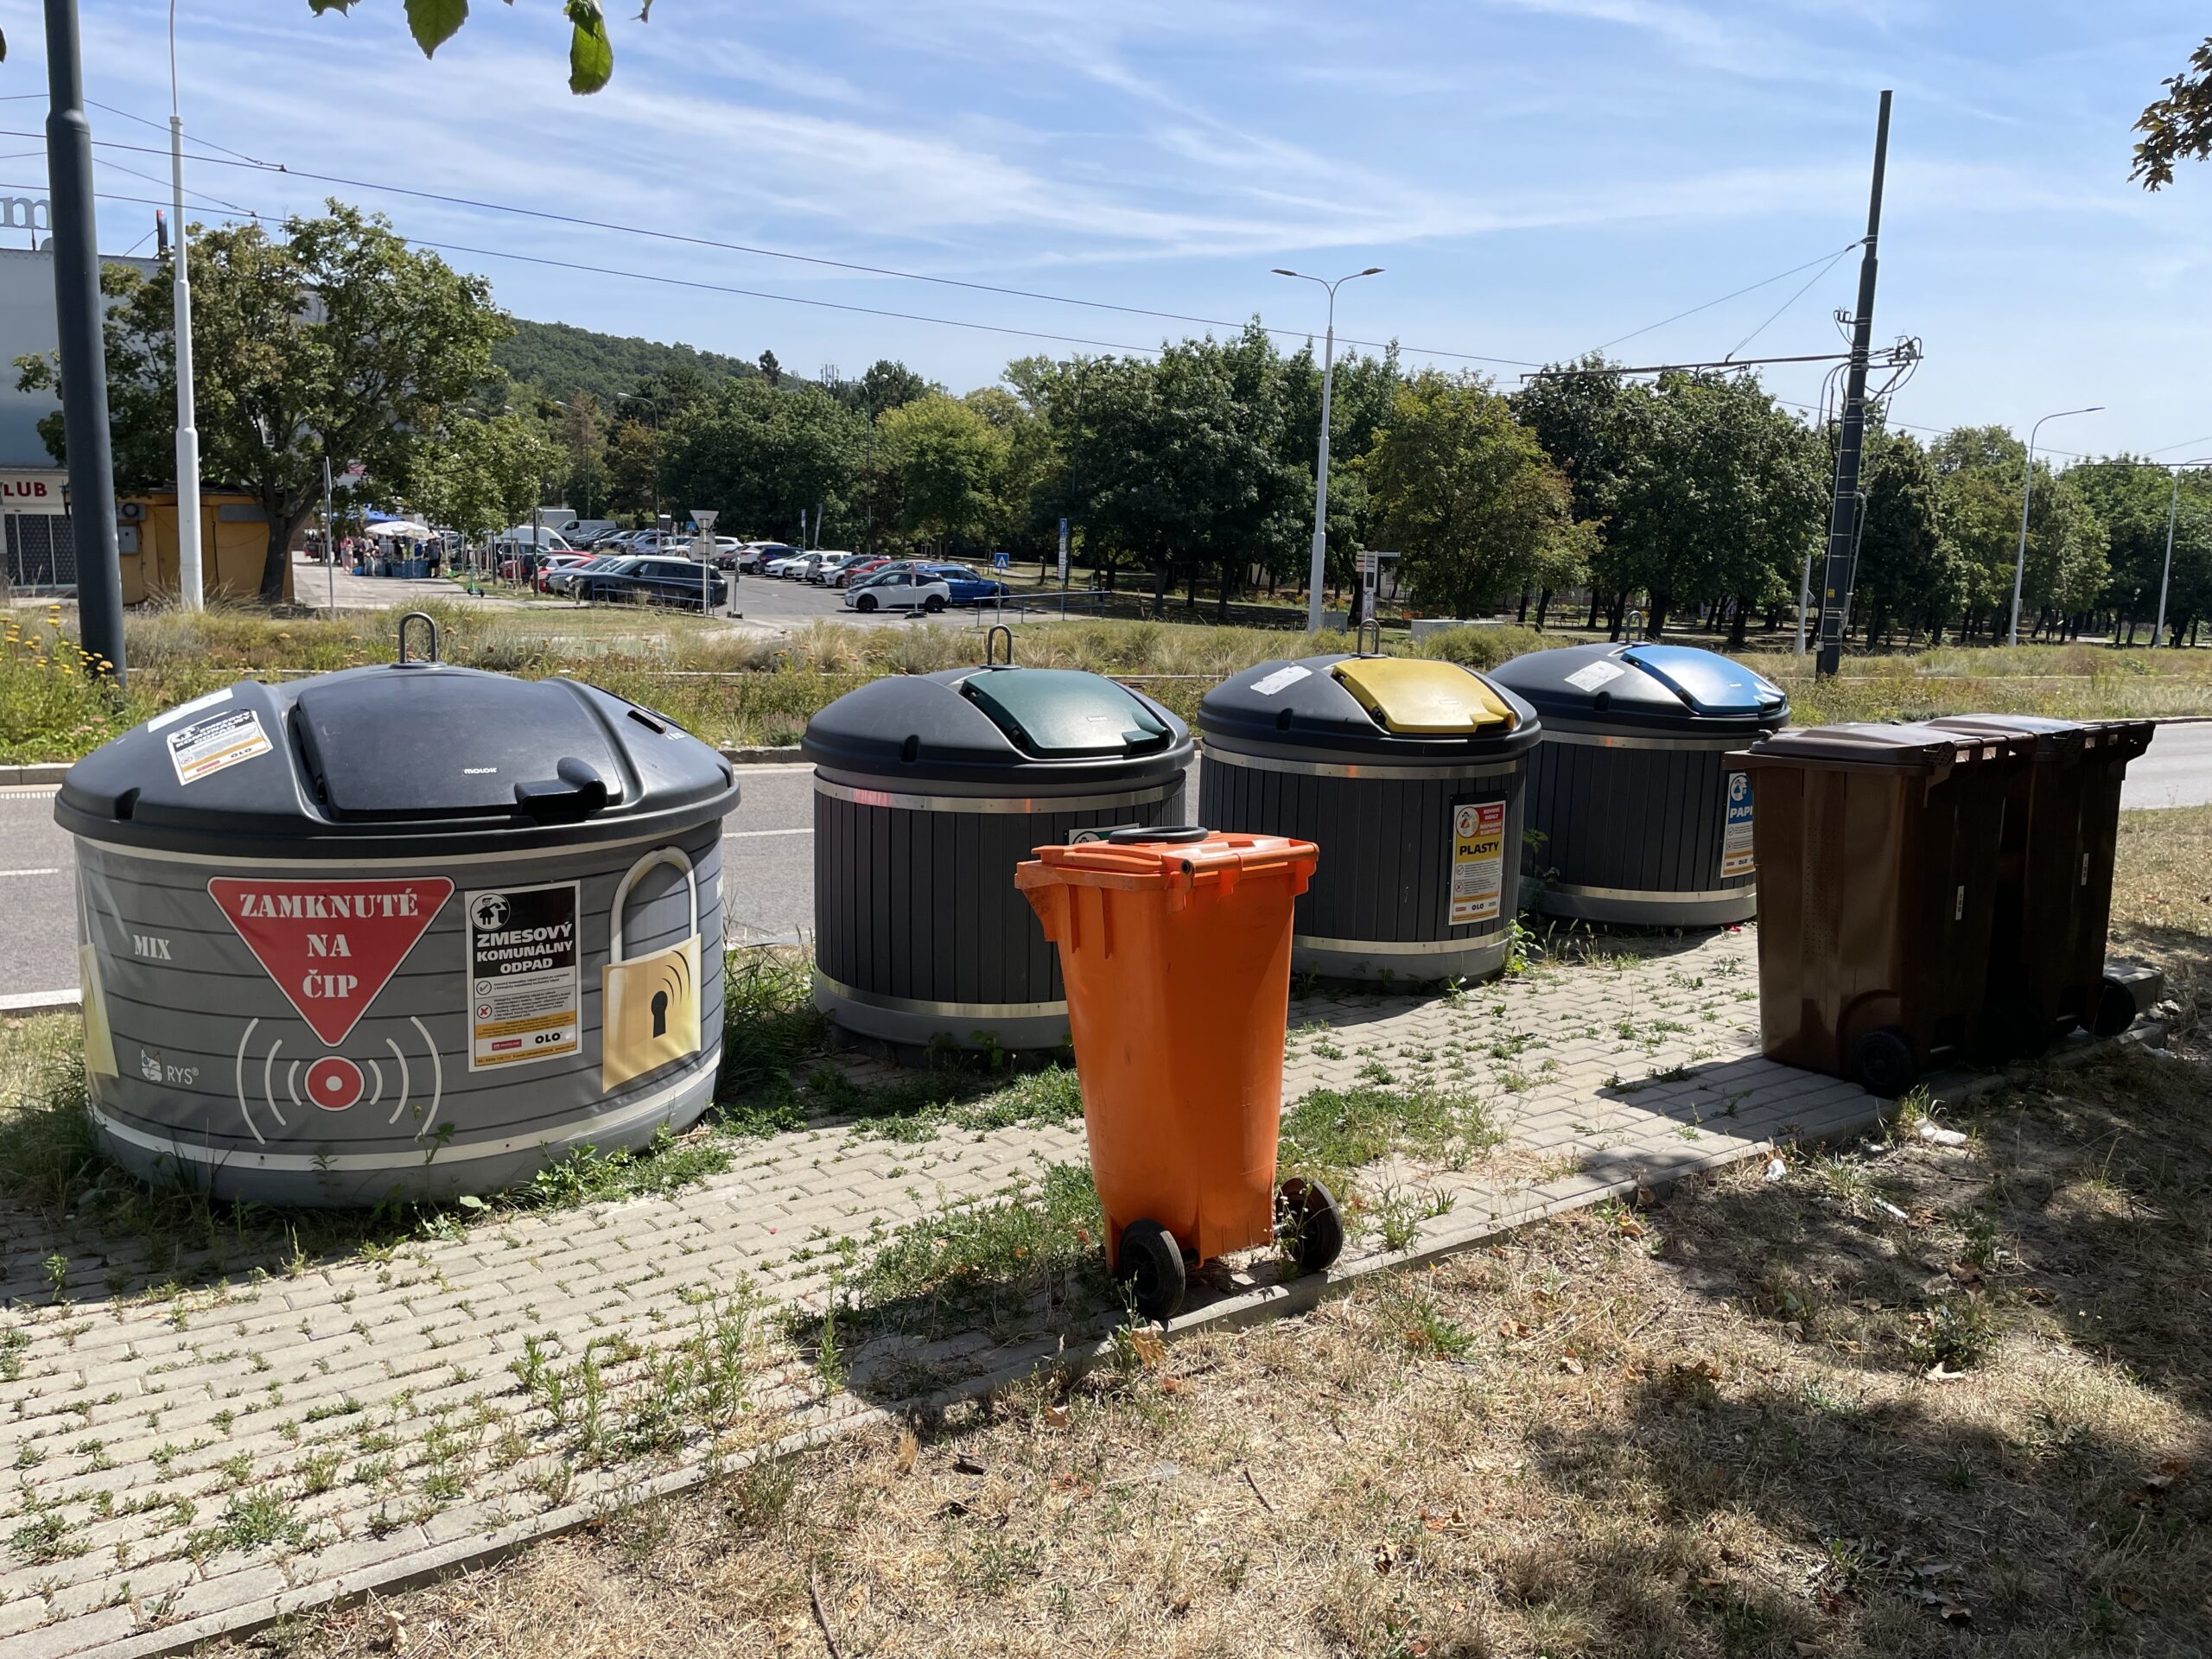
{"x": 1175, "y": 947}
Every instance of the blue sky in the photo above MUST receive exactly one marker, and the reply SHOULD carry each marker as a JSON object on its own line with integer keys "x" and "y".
{"x": 1537, "y": 176}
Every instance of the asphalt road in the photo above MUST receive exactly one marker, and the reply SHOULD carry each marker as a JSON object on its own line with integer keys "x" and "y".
{"x": 767, "y": 853}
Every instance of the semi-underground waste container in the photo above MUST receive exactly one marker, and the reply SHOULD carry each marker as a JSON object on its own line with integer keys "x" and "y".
{"x": 2054, "y": 903}
{"x": 1633, "y": 815}
{"x": 929, "y": 789}
{"x": 1409, "y": 774}
{"x": 1176, "y": 948}
{"x": 410, "y": 931}
{"x": 1877, "y": 853}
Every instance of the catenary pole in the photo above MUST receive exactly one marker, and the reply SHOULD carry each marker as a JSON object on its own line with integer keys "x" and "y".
{"x": 1851, "y": 440}
{"x": 79, "y": 315}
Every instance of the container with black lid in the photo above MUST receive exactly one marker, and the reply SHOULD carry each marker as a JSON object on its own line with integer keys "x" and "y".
{"x": 1633, "y": 815}
{"x": 410, "y": 931}
{"x": 929, "y": 790}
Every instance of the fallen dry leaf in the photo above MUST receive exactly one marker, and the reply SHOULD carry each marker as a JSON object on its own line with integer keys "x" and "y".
{"x": 1570, "y": 1364}
{"x": 1513, "y": 1330}
{"x": 1631, "y": 1227}
{"x": 1148, "y": 1346}
{"x": 1056, "y": 1417}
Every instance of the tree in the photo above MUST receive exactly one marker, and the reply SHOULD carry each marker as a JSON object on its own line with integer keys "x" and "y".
{"x": 591, "y": 54}
{"x": 2130, "y": 497}
{"x": 948, "y": 460}
{"x": 583, "y": 443}
{"x": 771, "y": 371}
{"x": 633, "y": 466}
{"x": 2178, "y": 127}
{"x": 889, "y": 384}
{"x": 1981, "y": 471}
{"x": 483, "y": 475}
{"x": 757, "y": 455}
{"x": 1717, "y": 497}
{"x": 1466, "y": 494}
{"x": 336, "y": 339}
{"x": 1907, "y": 567}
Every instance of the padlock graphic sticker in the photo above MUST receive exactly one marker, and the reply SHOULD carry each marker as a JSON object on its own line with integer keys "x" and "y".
{"x": 649, "y": 1004}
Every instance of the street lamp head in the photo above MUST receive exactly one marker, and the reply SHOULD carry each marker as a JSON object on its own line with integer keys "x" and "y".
{"x": 1372, "y": 271}
{"x": 1284, "y": 271}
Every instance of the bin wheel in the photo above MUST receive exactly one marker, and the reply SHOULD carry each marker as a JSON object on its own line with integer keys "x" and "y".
{"x": 2115, "y": 1009}
{"x": 1152, "y": 1267}
{"x": 1884, "y": 1062}
{"x": 1307, "y": 1217}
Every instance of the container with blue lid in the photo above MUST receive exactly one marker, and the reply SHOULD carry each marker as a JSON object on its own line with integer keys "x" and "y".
{"x": 1631, "y": 816}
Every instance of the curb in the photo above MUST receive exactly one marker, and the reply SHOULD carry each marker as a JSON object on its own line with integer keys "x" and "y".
{"x": 1301, "y": 1295}
{"x": 41, "y": 1001}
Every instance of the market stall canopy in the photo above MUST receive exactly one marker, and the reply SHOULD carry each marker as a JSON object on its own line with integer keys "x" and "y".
{"x": 399, "y": 527}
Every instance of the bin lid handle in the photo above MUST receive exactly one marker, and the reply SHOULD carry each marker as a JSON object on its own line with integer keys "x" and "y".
{"x": 1166, "y": 832}
{"x": 575, "y": 790}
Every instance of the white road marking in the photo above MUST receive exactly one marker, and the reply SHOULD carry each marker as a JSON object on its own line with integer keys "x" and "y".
{"x": 747, "y": 835}
{"x": 55, "y": 871}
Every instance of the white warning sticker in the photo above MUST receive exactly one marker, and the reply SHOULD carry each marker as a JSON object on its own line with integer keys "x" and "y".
{"x": 1478, "y": 862}
{"x": 1596, "y": 674}
{"x": 1281, "y": 680}
{"x": 1736, "y": 830}
{"x": 207, "y": 746}
{"x": 523, "y": 978}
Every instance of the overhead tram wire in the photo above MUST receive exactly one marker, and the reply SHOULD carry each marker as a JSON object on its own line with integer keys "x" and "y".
{"x": 682, "y": 282}
{"x": 1751, "y": 288}
{"x": 1791, "y": 300}
{"x": 281, "y": 169}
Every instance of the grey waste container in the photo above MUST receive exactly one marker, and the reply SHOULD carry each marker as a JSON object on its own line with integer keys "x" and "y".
{"x": 1408, "y": 774}
{"x": 397, "y": 931}
{"x": 1632, "y": 816}
{"x": 929, "y": 789}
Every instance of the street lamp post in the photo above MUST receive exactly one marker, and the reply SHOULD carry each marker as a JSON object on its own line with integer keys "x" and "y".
{"x": 2027, "y": 487}
{"x": 189, "y": 582}
{"x": 1321, "y": 473}
{"x": 2166, "y": 575}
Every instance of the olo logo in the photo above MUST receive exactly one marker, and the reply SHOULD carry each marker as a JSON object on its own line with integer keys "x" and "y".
{"x": 331, "y": 947}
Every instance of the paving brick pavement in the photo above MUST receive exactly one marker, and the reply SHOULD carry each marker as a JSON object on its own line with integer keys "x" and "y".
{"x": 187, "y": 1462}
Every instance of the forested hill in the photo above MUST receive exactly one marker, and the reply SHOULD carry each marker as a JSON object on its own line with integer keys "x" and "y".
{"x": 559, "y": 359}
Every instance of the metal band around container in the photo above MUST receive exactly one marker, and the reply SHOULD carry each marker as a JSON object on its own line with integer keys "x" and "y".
{"x": 1334, "y": 769}
{"x": 1617, "y": 740}
{"x": 980, "y": 1011}
{"x": 1027, "y": 806}
{"x": 174, "y": 1144}
{"x": 1398, "y": 947}
{"x": 1649, "y": 895}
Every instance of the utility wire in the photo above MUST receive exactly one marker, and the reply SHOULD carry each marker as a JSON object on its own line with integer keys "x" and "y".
{"x": 1723, "y": 299}
{"x": 1791, "y": 300}
{"x": 119, "y": 168}
{"x": 681, "y": 282}
{"x": 207, "y": 144}
{"x": 551, "y": 217}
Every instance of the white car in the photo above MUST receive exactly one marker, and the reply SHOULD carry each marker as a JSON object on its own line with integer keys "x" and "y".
{"x": 900, "y": 590}
{"x": 825, "y": 573}
{"x": 791, "y": 568}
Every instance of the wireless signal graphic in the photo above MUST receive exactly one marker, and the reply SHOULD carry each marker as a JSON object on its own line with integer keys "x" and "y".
{"x": 268, "y": 1082}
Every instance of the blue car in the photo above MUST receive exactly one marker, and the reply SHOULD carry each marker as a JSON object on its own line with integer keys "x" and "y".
{"x": 967, "y": 586}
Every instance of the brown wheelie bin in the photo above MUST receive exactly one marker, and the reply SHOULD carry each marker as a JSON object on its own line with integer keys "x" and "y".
{"x": 1877, "y": 850}
{"x": 2054, "y": 889}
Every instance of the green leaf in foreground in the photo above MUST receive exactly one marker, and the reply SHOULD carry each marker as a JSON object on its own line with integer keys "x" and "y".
{"x": 433, "y": 22}
{"x": 591, "y": 54}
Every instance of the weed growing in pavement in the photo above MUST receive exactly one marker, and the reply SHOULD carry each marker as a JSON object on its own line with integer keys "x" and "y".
{"x": 1330, "y": 1133}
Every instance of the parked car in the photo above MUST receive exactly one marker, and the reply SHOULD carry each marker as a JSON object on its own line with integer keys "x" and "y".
{"x": 755, "y": 557}
{"x": 968, "y": 587}
{"x": 824, "y": 573}
{"x": 652, "y": 581}
{"x": 900, "y": 590}
{"x": 565, "y": 580}
{"x": 787, "y": 567}
{"x": 553, "y": 563}
{"x": 859, "y": 569}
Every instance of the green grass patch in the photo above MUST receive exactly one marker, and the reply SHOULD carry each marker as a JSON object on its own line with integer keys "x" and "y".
{"x": 1331, "y": 1132}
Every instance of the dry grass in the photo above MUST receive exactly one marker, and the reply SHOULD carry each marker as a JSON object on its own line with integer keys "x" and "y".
{"x": 743, "y": 689}
{"x": 1909, "y": 1400}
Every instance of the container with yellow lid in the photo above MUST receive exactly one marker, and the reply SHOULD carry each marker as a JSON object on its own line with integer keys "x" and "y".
{"x": 1407, "y": 772}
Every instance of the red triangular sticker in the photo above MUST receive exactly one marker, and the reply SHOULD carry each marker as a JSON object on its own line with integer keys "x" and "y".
{"x": 331, "y": 946}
